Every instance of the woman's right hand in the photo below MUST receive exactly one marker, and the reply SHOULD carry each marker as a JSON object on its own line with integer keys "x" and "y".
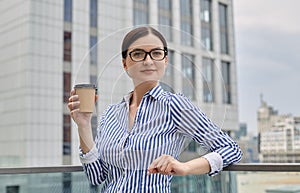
{"x": 83, "y": 120}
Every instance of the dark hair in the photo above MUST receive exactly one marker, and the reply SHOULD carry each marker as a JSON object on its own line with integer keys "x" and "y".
{"x": 137, "y": 33}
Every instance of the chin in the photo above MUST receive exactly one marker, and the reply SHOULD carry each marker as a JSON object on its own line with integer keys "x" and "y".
{"x": 146, "y": 81}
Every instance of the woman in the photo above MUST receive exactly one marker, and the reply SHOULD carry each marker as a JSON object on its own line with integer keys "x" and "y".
{"x": 139, "y": 139}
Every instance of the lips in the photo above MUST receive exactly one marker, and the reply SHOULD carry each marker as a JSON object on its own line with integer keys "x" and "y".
{"x": 148, "y": 70}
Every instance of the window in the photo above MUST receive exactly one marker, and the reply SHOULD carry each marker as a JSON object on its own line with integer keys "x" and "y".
{"x": 94, "y": 188}
{"x": 223, "y": 28}
{"x": 68, "y": 10}
{"x": 188, "y": 70}
{"x": 93, "y": 50}
{"x": 94, "y": 123}
{"x": 206, "y": 24}
{"x": 67, "y": 135}
{"x": 168, "y": 79}
{"x": 170, "y": 68}
{"x": 165, "y": 18}
{"x": 226, "y": 81}
{"x": 67, "y": 86}
{"x": 208, "y": 80}
{"x": 140, "y": 12}
{"x": 142, "y": 1}
{"x": 93, "y": 79}
{"x": 12, "y": 189}
{"x": 67, "y": 183}
{"x": 67, "y": 46}
{"x": 186, "y": 8}
{"x": 192, "y": 147}
{"x": 93, "y": 13}
{"x": 165, "y": 4}
{"x": 186, "y": 22}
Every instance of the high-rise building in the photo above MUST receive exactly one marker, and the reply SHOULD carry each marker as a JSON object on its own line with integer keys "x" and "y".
{"x": 248, "y": 144}
{"x": 278, "y": 136}
{"x": 48, "y": 46}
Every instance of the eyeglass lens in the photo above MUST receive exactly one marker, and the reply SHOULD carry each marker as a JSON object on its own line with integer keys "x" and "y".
{"x": 140, "y": 55}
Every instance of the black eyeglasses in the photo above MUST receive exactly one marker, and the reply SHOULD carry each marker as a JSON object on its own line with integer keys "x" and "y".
{"x": 139, "y": 55}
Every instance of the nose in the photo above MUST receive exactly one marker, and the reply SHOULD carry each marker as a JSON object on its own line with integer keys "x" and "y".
{"x": 148, "y": 60}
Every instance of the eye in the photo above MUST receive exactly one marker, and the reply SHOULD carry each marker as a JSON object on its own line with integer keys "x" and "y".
{"x": 137, "y": 54}
{"x": 157, "y": 53}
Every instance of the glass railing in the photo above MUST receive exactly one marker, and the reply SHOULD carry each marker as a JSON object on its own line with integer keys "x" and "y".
{"x": 240, "y": 178}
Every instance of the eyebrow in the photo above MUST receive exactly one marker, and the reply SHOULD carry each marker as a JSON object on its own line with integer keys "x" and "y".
{"x": 139, "y": 49}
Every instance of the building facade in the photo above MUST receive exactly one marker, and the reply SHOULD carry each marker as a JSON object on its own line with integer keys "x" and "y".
{"x": 279, "y": 136}
{"x": 48, "y": 46}
{"x": 248, "y": 144}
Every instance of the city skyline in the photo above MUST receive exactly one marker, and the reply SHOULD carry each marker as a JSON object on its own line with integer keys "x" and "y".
{"x": 267, "y": 40}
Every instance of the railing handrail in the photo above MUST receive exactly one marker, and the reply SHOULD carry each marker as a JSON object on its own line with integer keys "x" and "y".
{"x": 265, "y": 167}
{"x": 252, "y": 167}
{"x": 42, "y": 169}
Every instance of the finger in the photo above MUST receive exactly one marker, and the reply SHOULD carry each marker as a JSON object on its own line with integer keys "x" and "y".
{"x": 152, "y": 171}
{"x": 155, "y": 166}
{"x": 165, "y": 164}
{"x": 163, "y": 160}
{"x": 72, "y": 92}
{"x": 96, "y": 98}
{"x": 73, "y": 98}
{"x": 73, "y": 105}
{"x": 170, "y": 167}
{"x": 158, "y": 161}
{"x": 152, "y": 165}
{"x": 155, "y": 162}
{"x": 161, "y": 165}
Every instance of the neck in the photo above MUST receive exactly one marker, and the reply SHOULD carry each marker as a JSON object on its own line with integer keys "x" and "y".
{"x": 140, "y": 90}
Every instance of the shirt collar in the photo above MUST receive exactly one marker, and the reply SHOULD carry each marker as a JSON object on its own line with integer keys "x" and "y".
{"x": 154, "y": 92}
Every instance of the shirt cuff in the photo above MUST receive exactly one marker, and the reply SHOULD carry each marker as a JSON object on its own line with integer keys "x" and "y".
{"x": 215, "y": 161}
{"x": 89, "y": 157}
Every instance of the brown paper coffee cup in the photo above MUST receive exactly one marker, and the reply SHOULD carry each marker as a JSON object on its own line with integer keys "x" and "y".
{"x": 86, "y": 94}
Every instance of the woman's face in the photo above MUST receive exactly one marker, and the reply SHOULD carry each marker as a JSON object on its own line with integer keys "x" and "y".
{"x": 148, "y": 69}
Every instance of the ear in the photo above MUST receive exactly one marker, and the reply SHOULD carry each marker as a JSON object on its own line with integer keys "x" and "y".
{"x": 166, "y": 61}
{"x": 124, "y": 64}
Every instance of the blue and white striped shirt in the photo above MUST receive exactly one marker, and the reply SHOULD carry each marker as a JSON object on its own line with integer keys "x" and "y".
{"x": 163, "y": 122}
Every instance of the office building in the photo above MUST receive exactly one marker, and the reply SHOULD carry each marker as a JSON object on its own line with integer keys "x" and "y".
{"x": 248, "y": 144}
{"x": 279, "y": 136}
{"x": 48, "y": 46}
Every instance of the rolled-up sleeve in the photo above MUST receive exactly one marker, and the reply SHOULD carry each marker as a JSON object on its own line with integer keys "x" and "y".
{"x": 215, "y": 161}
{"x": 89, "y": 157}
{"x": 95, "y": 169}
{"x": 191, "y": 121}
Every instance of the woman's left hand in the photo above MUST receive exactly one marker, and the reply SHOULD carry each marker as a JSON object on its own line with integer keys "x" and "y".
{"x": 168, "y": 165}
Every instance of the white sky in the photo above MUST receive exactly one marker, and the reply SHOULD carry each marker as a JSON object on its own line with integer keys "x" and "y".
{"x": 268, "y": 56}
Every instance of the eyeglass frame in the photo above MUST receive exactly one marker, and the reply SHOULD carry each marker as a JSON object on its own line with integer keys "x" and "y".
{"x": 165, "y": 50}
